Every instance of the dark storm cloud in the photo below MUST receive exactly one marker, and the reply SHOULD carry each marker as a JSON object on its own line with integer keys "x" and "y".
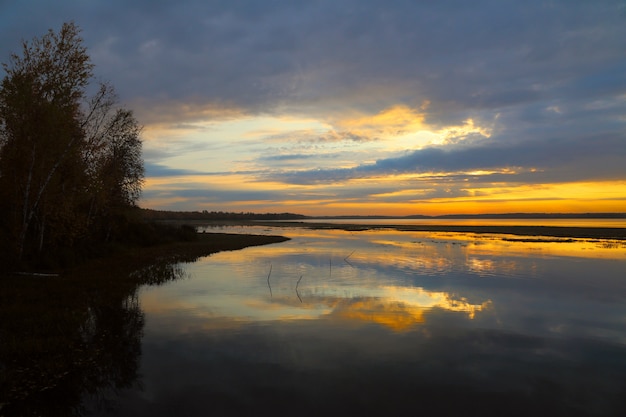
{"x": 467, "y": 54}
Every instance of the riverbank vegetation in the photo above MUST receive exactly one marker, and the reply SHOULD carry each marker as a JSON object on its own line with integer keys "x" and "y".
{"x": 70, "y": 154}
{"x": 71, "y": 168}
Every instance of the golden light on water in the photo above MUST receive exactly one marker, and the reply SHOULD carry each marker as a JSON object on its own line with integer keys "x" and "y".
{"x": 340, "y": 275}
{"x": 396, "y": 308}
{"x": 400, "y": 308}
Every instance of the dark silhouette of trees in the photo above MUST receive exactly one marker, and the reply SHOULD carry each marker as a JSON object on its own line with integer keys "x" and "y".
{"x": 157, "y": 215}
{"x": 113, "y": 159}
{"x": 69, "y": 164}
{"x": 68, "y": 345}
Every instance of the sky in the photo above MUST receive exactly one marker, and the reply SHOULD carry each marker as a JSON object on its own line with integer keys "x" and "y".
{"x": 367, "y": 107}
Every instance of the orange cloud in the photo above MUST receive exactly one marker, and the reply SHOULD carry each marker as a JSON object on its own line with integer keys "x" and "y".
{"x": 394, "y": 120}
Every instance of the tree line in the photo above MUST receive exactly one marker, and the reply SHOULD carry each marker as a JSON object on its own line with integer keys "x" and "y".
{"x": 70, "y": 155}
{"x": 150, "y": 214}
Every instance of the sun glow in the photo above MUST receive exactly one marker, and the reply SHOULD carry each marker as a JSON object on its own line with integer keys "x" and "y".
{"x": 392, "y": 120}
{"x": 211, "y": 157}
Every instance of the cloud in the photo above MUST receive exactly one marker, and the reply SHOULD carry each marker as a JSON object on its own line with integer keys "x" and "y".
{"x": 363, "y": 37}
{"x": 158, "y": 170}
{"x": 288, "y": 157}
{"x": 177, "y": 113}
{"x": 327, "y": 93}
{"x": 396, "y": 120}
{"x": 203, "y": 193}
{"x": 358, "y": 55}
{"x": 557, "y": 159}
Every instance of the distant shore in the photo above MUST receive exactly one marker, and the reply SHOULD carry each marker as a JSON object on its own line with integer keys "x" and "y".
{"x": 560, "y": 232}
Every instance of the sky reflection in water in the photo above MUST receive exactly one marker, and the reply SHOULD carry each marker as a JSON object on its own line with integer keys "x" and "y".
{"x": 385, "y": 321}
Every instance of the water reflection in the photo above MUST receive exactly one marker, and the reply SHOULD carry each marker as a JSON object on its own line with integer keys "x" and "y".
{"x": 390, "y": 322}
{"x": 70, "y": 343}
{"x": 348, "y": 323}
{"x": 313, "y": 279}
{"x": 392, "y": 277}
{"x": 400, "y": 309}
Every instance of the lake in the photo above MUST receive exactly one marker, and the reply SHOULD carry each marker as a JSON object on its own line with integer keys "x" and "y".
{"x": 563, "y": 222}
{"x": 387, "y": 323}
{"x": 334, "y": 322}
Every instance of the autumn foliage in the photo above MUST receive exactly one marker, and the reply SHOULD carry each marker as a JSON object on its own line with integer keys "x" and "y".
{"x": 70, "y": 163}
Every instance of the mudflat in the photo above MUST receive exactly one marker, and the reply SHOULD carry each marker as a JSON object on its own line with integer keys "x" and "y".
{"x": 560, "y": 232}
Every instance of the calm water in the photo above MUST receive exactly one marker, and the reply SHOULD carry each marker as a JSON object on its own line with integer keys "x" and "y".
{"x": 621, "y": 223}
{"x": 385, "y": 323}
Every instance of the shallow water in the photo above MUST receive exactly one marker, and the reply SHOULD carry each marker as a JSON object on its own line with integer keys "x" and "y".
{"x": 580, "y": 222}
{"x": 384, "y": 322}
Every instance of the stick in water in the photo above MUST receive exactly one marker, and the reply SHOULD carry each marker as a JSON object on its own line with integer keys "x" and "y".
{"x": 346, "y": 259}
{"x": 298, "y": 283}
{"x": 268, "y": 280}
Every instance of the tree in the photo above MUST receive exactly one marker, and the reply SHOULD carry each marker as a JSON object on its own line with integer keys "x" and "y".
{"x": 113, "y": 156}
{"x": 64, "y": 159}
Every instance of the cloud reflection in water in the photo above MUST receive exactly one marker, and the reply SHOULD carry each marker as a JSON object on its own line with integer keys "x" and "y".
{"x": 387, "y": 322}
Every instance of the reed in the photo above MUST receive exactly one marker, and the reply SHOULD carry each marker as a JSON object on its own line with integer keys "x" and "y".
{"x": 297, "y": 293}
{"x": 346, "y": 259}
{"x": 268, "y": 281}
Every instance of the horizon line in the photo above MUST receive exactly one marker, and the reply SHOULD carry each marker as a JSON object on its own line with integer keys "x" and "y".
{"x": 617, "y": 215}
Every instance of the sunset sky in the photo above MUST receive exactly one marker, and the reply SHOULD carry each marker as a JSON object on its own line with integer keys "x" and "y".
{"x": 338, "y": 107}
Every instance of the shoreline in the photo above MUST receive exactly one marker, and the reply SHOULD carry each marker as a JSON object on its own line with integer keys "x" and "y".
{"x": 130, "y": 259}
{"x": 572, "y": 232}
{"x": 51, "y": 334}
{"x": 182, "y": 251}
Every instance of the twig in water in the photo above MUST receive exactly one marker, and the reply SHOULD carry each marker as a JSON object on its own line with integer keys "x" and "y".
{"x": 298, "y": 283}
{"x": 346, "y": 259}
{"x": 268, "y": 280}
